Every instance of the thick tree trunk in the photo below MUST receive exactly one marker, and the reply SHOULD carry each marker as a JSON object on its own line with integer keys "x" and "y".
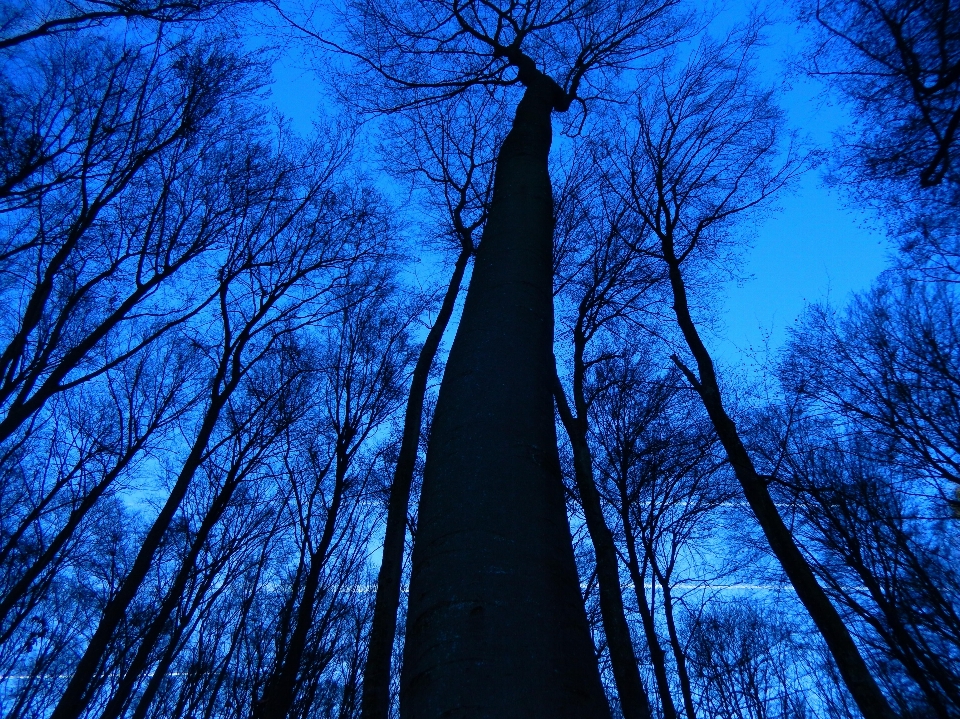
{"x": 870, "y": 700}
{"x": 496, "y": 624}
{"x": 375, "y": 702}
{"x": 634, "y": 703}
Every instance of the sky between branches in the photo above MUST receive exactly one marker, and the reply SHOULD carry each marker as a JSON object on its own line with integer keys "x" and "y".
{"x": 817, "y": 247}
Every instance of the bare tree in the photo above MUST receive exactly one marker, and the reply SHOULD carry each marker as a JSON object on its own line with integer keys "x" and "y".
{"x": 659, "y": 470}
{"x": 449, "y": 151}
{"x": 293, "y": 250}
{"x": 706, "y": 150}
{"x": 364, "y": 367}
{"x": 122, "y": 196}
{"x": 898, "y": 63}
{"x": 33, "y": 20}
{"x": 742, "y": 655}
{"x": 604, "y": 282}
{"x": 888, "y": 365}
{"x": 493, "y": 570}
{"x": 871, "y": 519}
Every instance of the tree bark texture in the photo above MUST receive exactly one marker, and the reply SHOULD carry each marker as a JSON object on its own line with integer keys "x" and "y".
{"x": 375, "y": 702}
{"x": 496, "y": 625}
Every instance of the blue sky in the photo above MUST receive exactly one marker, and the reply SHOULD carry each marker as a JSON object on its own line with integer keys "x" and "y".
{"x": 818, "y": 247}
{"x": 815, "y": 248}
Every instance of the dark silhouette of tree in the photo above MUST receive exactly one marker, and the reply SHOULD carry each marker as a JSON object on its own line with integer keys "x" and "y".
{"x": 35, "y": 20}
{"x": 452, "y": 153}
{"x": 214, "y": 400}
{"x": 659, "y": 470}
{"x": 604, "y": 281}
{"x": 867, "y": 471}
{"x": 623, "y": 412}
{"x": 134, "y": 142}
{"x": 290, "y": 253}
{"x": 495, "y": 619}
{"x": 898, "y": 64}
{"x": 707, "y": 149}
{"x": 889, "y": 365}
{"x": 742, "y": 656}
{"x": 877, "y": 564}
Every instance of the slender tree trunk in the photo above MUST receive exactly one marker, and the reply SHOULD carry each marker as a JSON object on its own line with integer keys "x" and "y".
{"x": 375, "y": 702}
{"x": 280, "y": 691}
{"x": 657, "y": 655}
{"x": 870, "y": 700}
{"x": 905, "y": 647}
{"x": 236, "y": 637}
{"x": 77, "y": 694}
{"x": 496, "y": 622}
{"x": 633, "y": 697}
{"x": 161, "y": 616}
{"x": 678, "y": 654}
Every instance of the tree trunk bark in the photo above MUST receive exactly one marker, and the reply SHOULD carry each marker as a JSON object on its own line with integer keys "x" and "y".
{"x": 496, "y": 622}
{"x": 375, "y": 702}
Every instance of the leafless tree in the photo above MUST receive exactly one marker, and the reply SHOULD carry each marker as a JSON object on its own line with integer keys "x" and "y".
{"x": 707, "y": 149}
{"x": 364, "y": 368}
{"x": 662, "y": 479}
{"x": 32, "y": 20}
{"x": 414, "y": 54}
{"x": 744, "y": 656}
{"x": 888, "y": 364}
{"x": 871, "y": 519}
{"x": 898, "y": 63}
{"x": 448, "y": 154}
{"x": 603, "y": 281}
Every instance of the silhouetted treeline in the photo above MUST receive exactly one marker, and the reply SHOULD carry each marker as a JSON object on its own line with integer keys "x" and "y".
{"x": 222, "y": 342}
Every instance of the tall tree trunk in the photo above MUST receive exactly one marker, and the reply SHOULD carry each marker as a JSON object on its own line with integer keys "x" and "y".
{"x": 375, "y": 702}
{"x": 496, "y": 623}
{"x": 678, "y": 654}
{"x": 280, "y": 691}
{"x": 657, "y": 655}
{"x": 853, "y": 669}
{"x": 634, "y": 703}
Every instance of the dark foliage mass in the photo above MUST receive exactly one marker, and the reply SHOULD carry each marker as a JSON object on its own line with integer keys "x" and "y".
{"x": 234, "y": 357}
